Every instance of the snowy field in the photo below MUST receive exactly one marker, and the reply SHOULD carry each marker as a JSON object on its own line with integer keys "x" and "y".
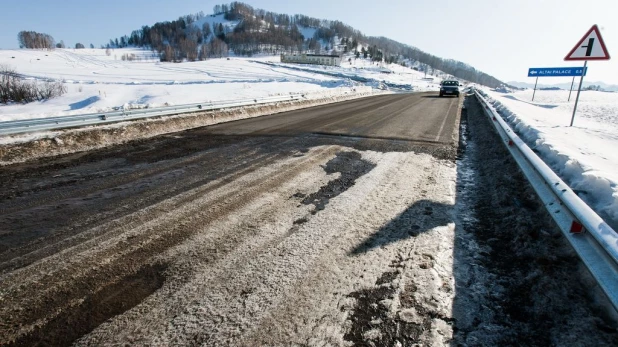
{"x": 393, "y": 75}
{"x": 97, "y": 82}
{"x": 584, "y": 155}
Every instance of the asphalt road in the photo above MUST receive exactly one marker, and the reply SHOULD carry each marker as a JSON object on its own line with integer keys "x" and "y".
{"x": 278, "y": 230}
{"x": 420, "y": 117}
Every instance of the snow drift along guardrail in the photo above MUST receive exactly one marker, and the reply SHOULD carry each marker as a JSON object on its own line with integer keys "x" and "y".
{"x": 54, "y": 123}
{"x": 593, "y": 239}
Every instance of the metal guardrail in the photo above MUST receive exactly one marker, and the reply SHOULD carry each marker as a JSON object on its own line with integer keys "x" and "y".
{"x": 63, "y": 122}
{"x": 595, "y": 242}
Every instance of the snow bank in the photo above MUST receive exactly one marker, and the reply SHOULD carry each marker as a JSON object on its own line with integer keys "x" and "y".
{"x": 585, "y": 156}
{"x": 25, "y": 147}
{"x": 97, "y": 82}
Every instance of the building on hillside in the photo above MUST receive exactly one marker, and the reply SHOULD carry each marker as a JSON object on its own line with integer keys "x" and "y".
{"x": 317, "y": 59}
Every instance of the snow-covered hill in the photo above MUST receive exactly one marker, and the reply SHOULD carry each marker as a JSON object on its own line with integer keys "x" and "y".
{"x": 216, "y": 19}
{"x": 97, "y": 82}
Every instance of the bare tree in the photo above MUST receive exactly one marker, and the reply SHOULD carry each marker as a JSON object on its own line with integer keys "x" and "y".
{"x": 34, "y": 40}
{"x": 13, "y": 88}
{"x": 203, "y": 52}
{"x": 168, "y": 54}
{"x": 217, "y": 48}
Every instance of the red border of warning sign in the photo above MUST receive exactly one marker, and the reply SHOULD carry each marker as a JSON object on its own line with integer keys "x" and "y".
{"x": 596, "y": 29}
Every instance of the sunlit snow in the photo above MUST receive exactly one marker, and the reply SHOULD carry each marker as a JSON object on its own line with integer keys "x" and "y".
{"x": 584, "y": 155}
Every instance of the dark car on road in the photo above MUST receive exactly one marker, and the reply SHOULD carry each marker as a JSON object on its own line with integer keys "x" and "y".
{"x": 449, "y": 88}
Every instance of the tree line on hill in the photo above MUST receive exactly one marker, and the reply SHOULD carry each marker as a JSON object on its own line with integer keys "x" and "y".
{"x": 260, "y": 31}
{"x": 35, "y": 40}
{"x": 248, "y": 31}
{"x": 32, "y": 39}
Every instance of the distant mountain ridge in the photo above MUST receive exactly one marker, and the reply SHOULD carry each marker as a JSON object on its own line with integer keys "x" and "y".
{"x": 246, "y": 31}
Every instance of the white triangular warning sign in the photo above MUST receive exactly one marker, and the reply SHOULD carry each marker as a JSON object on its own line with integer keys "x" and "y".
{"x": 590, "y": 47}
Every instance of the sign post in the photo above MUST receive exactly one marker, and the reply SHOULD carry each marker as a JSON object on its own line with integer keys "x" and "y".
{"x": 535, "y": 83}
{"x": 571, "y": 90}
{"x": 581, "y": 80}
{"x": 590, "y": 47}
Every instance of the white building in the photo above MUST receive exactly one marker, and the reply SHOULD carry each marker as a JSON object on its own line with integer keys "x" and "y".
{"x": 318, "y": 59}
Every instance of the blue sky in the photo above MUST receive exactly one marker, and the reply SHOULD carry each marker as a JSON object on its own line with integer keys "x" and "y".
{"x": 502, "y": 38}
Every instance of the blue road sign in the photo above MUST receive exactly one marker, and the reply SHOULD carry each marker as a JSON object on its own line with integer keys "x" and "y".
{"x": 556, "y": 71}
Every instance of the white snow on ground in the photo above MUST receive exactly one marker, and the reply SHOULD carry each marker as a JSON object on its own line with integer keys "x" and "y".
{"x": 97, "y": 82}
{"x": 216, "y": 19}
{"x": 584, "y": 155}
{"x": 392, "y": 75}
{"x": 306, "y": 32}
